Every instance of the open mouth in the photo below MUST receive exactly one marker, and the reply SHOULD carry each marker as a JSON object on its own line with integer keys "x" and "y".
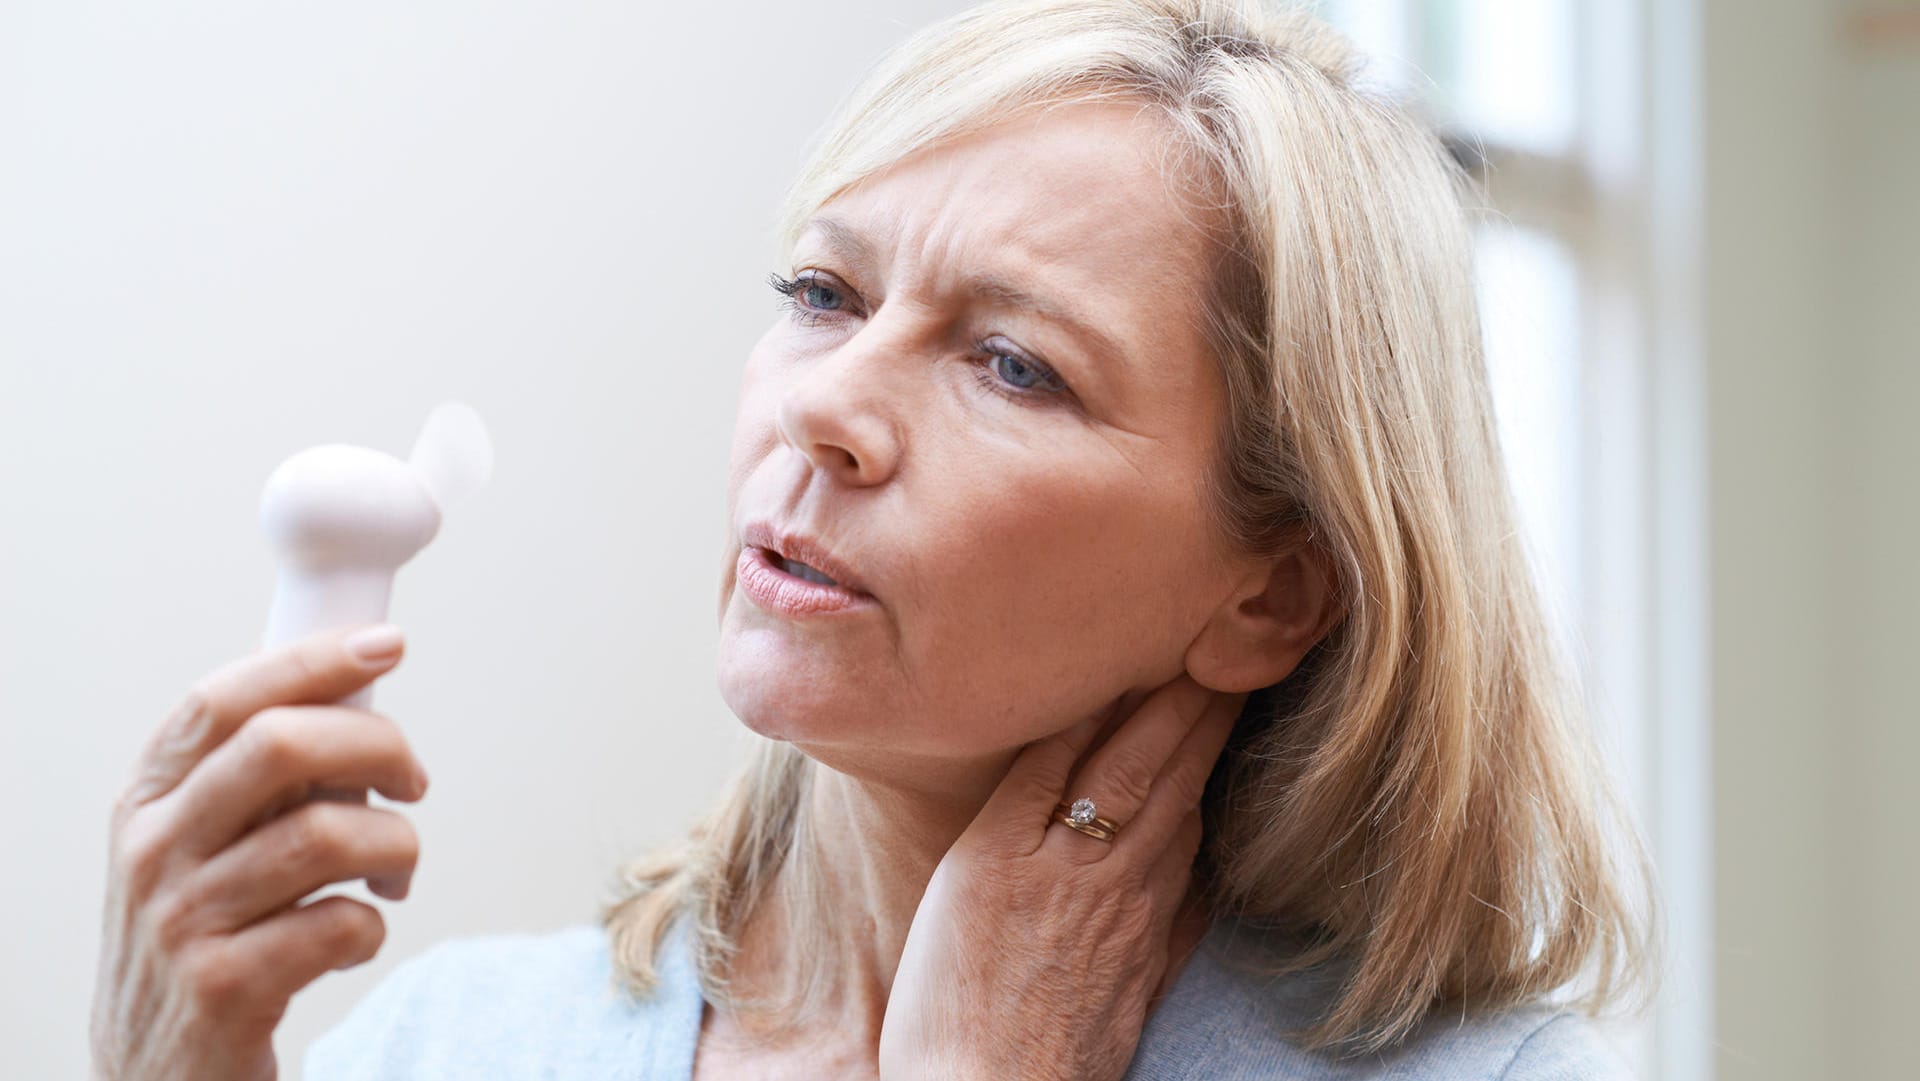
{"x": 799, "y": 569}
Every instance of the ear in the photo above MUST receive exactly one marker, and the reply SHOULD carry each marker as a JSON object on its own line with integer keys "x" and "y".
{"x": 1280, "y": 609}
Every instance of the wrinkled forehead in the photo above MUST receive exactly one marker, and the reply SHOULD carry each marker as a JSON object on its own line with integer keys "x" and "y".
{"x": 1071, "y": 194}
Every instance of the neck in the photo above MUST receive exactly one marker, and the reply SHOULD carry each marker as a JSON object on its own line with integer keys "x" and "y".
{"x": 866, "y": 847}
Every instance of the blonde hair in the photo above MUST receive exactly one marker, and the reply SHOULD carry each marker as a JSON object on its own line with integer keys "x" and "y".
{"x": 1421, "y": 797}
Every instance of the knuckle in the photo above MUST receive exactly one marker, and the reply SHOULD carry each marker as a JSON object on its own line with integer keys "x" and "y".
{"x": 194, "y": 712}
{"x": 1187, "y": 786}
{"x": 388, "y": 748}
{"x": 356, "y": 932}
{"x": 315, "y": 833}
{"x": 277, "y": 742}
{"x": 391, "y": 840}
{"x": 180, "y": 738}
{"x": 125, "y": 806}
{"x": 169, "y": 922}
{"x": 381, "y": 732}
{"x": 386, "y": 726}
{"x": 1129, "y": 777}
{"x": 1033, "y": 789}
{"x": 308, "y": 661}
{"x": 214, "y": 979}
{"x": 141, "y": 848}
{"x": 408, "y": 840}
{"x": 389, "y": 738}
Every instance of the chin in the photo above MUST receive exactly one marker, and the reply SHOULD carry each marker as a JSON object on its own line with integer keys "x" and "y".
{"x": 832, "y": 708}
{"x": 784, "y": 701}
{"x": 833, "y": 720}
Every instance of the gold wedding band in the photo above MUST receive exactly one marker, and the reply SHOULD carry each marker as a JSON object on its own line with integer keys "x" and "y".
{"x": 1080, "y": 816}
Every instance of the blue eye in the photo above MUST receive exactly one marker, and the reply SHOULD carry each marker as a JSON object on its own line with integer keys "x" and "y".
{"x": 820, "y": 296}
{"x": 1017, "y": 377}
{"x": 1018, "y": 372}
{"x": 810, "y": 296}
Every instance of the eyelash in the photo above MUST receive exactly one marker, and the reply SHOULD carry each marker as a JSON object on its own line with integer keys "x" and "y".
{"x": 790, "y": 290}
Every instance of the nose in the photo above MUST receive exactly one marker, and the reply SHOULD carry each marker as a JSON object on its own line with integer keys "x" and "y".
{"x": 839, "y": 415}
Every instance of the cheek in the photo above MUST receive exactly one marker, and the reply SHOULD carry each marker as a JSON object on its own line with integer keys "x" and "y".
{"x": 1047, "y": 601}
{"x": 754, "y": 418}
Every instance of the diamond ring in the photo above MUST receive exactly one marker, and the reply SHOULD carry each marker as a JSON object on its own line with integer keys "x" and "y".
{"x": 1083, "y": 816}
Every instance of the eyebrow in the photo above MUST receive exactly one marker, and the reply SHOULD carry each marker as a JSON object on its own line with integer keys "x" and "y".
{"x": 989, "y": 287}
{"x": 1001, "y": 291}
{"x": 844, "y": 237}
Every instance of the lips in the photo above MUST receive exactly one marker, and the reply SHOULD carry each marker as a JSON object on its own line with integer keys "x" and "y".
{"x": 767, "y": 585}
{"x": 784, "y": 548}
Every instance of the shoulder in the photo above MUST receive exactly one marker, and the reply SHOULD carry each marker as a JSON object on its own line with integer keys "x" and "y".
{"x": 1223, "y": 1020}
{"x": 1570, "y": 1046}
{"x": 511, "y": 1006}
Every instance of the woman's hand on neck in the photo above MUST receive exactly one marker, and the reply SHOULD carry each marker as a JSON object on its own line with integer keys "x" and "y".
{"x": 871, "y": 834}
{"x": 873, "y": 827}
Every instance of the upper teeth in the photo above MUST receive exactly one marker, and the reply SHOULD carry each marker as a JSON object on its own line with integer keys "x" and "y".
{"x": 801, "y": 570}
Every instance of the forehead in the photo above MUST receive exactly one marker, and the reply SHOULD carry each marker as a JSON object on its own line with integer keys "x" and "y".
{"x": 1082, "y": 183}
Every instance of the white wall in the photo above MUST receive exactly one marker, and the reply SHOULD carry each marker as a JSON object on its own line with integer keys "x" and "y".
{"x": 1876, "y": 342}
{"x": 1812, "y": 266}
{"x": 230, "y": 231}
{"x": 1768, "y": 93}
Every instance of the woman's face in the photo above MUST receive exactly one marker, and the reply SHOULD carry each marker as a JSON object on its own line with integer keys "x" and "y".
{"x": 989, "y": 398}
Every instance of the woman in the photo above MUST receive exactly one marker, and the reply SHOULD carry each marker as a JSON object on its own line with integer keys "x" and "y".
{"x": 1124, "y": 579}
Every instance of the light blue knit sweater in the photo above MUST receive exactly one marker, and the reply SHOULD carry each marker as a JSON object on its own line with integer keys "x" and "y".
{"x": 526, "y": 1007}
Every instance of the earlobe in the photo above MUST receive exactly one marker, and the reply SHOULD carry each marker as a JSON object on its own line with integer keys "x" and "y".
{"x": 1256, "y": 638}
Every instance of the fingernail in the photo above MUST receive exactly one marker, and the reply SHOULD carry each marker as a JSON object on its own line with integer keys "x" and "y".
{"x": 376, "y": 644}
